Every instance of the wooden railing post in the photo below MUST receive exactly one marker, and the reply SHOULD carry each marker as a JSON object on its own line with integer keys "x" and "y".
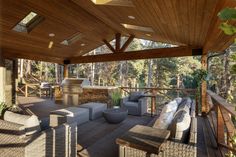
{"x": 220, "y": 125}
{"x": 204, "y": 86}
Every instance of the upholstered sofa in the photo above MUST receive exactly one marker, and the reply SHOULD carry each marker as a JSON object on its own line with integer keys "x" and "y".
{"x": 182, "y": 142}
{"x": 136, "y": 103}
{"x": 22, "y": 137}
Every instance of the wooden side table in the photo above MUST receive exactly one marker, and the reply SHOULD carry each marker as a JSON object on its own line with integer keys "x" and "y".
{"x": 144, "y": 138}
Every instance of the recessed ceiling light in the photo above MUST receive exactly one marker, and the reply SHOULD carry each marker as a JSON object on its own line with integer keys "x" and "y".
{"x": 131, "y": 17}
{"x": 51, "y": 34}
{"x": 149, "y": 35}
{"x": 139, "y": 28}
{"x": 50, "y": 44}
{"x": 82, "y": 44}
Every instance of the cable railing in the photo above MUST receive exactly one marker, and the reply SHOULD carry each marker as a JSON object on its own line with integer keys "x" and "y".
{"x": 221, "y": 116}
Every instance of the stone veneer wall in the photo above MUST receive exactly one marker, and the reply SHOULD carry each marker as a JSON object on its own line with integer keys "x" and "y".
{"x": 97, "y": 94}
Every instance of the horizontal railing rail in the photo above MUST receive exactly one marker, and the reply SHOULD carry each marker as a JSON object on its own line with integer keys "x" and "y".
{"x": 165, "y": 94}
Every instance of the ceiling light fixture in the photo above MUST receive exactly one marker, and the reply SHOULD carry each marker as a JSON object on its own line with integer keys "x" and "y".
{"x": 149, "y": 35}
{"x": 51, "y": 35}
{"x": 131, "y": 17}
{"x": 82, "y": 44}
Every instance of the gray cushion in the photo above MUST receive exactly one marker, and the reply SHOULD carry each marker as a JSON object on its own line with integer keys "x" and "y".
{"x": 95, "y": 109}
{"x": 134, "y": 96}
{"x": 31, "y": 123}
{"x": 131, "y": 103}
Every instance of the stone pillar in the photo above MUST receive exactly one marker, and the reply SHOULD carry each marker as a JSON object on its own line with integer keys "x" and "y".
{"x": 204, "y": 87}
{"x": 2, "y": 79}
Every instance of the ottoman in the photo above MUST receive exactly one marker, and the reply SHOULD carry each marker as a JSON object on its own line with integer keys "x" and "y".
{"x": 95, "y": 109}
{"x": 69, "y": 115}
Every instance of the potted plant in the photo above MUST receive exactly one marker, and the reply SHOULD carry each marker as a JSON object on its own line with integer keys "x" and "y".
{"x": 116, "y": 98}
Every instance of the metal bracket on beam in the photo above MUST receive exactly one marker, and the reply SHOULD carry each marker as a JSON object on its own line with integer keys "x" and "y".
{"x": 197, "y": 52}
{"x": 66, "y": 62}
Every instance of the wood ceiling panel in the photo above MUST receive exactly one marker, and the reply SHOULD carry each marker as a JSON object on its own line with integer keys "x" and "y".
{"x": 180, "y": 22}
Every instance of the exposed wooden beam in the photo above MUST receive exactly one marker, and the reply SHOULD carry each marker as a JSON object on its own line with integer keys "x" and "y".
{"x": 13, "y": 54}
{"x": 109, "y": 46}
{"x": 118, "y": 39}
{"x": 127, "y": 43}
{"x": 135, "y": 55}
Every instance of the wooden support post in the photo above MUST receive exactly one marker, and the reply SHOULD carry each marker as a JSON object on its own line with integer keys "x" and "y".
{"x": 118, "y": 37}
{"x": 205, "y": 108}
{"x": 220, "y": 126}
{"x": 14, "y": 80}
{"x": 2, "y": 79}
{"x": 66, "y": 72}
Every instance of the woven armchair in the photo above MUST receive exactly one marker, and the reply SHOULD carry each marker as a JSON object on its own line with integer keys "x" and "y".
{"x": 137, "y": 107}
{"x": 59, "y": 141}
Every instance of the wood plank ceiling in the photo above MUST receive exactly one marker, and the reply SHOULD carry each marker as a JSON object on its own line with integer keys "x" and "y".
{"x": 183, "y": 22}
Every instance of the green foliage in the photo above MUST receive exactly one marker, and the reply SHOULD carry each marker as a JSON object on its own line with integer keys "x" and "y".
{"x": 3, "y": 106}
{"x": 227, "y": 14}
{"x": 228, "y": 29}
{"x": 116, "y": 97}
{"x": 200, "y": 75}
{"x": 233, "y": 142}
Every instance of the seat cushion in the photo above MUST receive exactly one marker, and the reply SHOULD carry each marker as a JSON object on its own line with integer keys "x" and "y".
{"x": 69, "y": 115}
{"x": 31, "y": 123}
{"x": 134, "y": 96}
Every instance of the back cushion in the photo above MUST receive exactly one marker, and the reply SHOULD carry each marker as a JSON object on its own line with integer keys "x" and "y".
{"x": 31, "y": 123}
{"x": 134, "y": 96}
{"x": 180, "y": 125}
{"x": 166, "y": 115}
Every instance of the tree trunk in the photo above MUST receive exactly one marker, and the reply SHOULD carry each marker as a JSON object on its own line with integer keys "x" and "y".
{"x": 121, "y": 74}
{"x": 28, "y": 68}
{"x": 93, "y": 70}
{"x": 149, "y": 73}
{"x": 77, "y": 70}
{"x": 46, "y": 71}
{"x": 56, "y": 73}
{"x": 21, "y": 69}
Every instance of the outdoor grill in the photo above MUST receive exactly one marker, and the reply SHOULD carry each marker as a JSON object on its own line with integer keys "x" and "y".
{"x": 71, "y": 89}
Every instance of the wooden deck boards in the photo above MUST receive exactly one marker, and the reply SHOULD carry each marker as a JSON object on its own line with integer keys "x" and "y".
{"x": 97, "y": 138}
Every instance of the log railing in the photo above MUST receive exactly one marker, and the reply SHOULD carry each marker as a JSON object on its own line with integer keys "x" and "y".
{"x": 220, "y": 115}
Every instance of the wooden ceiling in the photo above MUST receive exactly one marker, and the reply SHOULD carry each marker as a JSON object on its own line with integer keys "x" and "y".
{"x": 192, "y": 23}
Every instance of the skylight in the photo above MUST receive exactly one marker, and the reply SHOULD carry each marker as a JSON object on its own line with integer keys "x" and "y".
{"x": 28, "y": 22}
{"x": 127, "y": 3}
{"x": 72, "y": 39}
{"x": 139, "y": 28}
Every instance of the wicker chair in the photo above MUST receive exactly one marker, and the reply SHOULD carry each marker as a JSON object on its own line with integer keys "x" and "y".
{"x": 169, "y": 148}
{"x": 59, "y": 141}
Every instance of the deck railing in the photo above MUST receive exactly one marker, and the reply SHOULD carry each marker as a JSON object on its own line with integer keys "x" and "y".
{"x": 220, "y": 115}
{"x": 164, "y": 94}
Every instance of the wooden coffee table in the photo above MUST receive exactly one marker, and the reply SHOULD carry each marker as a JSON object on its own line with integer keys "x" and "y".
{"x": 144, "y": 138}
